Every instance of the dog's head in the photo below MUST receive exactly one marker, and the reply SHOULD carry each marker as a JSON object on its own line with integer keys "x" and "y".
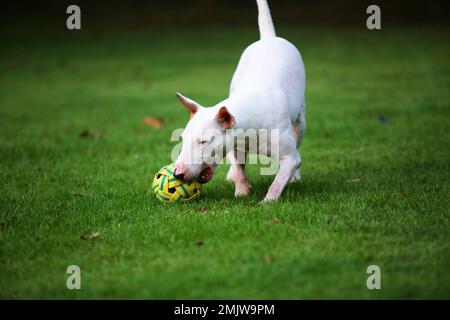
{"x": 203, "y": 136}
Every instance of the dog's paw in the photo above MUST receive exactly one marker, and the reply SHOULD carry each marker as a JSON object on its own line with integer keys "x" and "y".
{"x": 242, "y": 190}
{"x": 266, "y": 201}
{"x": 271, "y": 196}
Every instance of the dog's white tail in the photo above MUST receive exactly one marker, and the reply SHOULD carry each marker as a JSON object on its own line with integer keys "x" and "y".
{"x": 266, "y": 29}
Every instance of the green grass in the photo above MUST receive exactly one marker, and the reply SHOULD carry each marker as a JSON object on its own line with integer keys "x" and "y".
{"x": 378, "y": 111}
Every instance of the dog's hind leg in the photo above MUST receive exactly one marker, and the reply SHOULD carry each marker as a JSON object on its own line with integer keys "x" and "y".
{"x": 298, "y": 129}
{"x": 236, "y": 173}
{"x": 289, "y": 163}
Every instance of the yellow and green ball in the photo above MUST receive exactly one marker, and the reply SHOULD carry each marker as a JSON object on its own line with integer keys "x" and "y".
{"x": 167, "y": 189}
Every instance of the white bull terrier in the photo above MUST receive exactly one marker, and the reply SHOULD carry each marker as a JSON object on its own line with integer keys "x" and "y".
{"x": 267, "y": 92}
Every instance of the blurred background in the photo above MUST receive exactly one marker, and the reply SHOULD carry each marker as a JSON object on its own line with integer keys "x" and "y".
{"x": 119, "y": 14}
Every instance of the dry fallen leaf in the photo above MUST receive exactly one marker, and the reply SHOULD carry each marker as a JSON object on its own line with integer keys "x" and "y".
{"x": 91, "y": 236}
{"x": 275, "y": 220}
{"x": 268, "y": 259}
{"x": 153, "y": 122}
{"x": 147, "y": 83}
{"x": 78, "y": 194}
{"x": 203, "y": 209}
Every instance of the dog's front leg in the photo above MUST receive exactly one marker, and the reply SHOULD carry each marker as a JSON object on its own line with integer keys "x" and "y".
{"x": 237, "y": 173}
{"x": 288, "y": 166}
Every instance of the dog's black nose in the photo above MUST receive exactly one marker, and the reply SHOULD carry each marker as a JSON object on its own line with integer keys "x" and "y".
{"x": 178, "y": 176}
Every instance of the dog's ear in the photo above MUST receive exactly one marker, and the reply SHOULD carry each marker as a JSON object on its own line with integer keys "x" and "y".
{"x": 191, "y": 105}
{"x": 224, "y": 118}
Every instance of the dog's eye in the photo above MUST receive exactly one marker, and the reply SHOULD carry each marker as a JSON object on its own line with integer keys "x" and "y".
{"x": 206, "y": 140}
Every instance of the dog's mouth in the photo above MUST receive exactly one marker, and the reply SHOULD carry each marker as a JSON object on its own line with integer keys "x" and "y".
{"x": 206, "y": 175}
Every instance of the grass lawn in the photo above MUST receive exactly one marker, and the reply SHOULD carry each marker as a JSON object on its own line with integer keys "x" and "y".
{"x": 75, "y": 159}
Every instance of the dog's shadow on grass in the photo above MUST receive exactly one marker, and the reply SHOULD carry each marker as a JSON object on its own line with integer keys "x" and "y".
{"x": 295, "y": 191}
